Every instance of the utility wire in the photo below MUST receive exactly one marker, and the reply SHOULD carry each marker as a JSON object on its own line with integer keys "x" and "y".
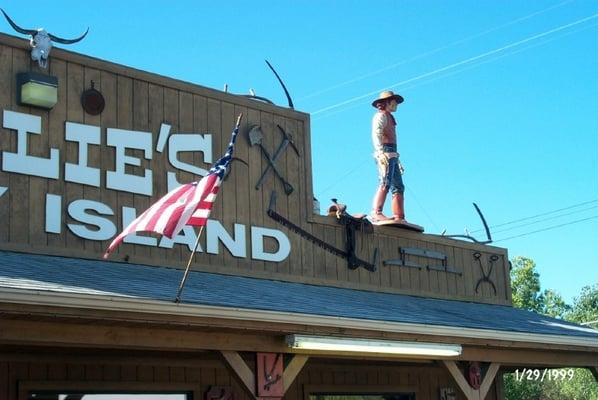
{"x": 545, "y": 219}
{"x": 546, "y": 229}
{"x": 541, "y": 215}
{"x": 463, "y": 69}
{"x": 459, "y": 63}
{"x": 433, "y": 51}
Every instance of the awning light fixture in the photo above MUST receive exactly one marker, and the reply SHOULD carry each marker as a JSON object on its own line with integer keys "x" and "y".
{"x": 329, "y": 343}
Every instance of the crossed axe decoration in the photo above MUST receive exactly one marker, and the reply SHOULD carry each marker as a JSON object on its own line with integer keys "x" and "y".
{"x": 256, "y": 136}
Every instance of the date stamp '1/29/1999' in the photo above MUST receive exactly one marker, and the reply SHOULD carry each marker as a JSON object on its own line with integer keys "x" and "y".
{"x": 541, "y": 375}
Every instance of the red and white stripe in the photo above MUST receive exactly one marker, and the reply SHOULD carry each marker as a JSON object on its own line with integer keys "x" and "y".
{"x": 189, "y": 204}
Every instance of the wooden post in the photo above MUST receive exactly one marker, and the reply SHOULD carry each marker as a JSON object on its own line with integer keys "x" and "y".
{"x": 247, "y": 376}
{"x": 293, "y": 369}
{"x": 240, "y": 368}
{"x": 467, "y": 390}
{"x": 488, "y": 379}
{"x": 469, "y": 393}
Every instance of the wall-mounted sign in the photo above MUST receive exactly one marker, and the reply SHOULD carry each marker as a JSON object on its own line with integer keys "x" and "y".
{"x": 93, "y": 219}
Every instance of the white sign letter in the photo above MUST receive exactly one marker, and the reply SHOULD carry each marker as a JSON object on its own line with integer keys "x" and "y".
{"x": 53, "y": 213}
{"x": 257, "y": 244}
{"x": 106, "y": 228}
{"x": 119, "y": 179}
{"x": 188, "y": 142}
{"x": 216, "y": 232}
{"x": 20, "y": 162}
{"x": 187, "y": 236}
{"x": 85, "y": 135}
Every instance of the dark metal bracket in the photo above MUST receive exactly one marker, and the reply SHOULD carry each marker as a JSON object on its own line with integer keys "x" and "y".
{"x": 485, "y": 276}
{"x": 354, "y": 262}
{"x": 471, "y": 237}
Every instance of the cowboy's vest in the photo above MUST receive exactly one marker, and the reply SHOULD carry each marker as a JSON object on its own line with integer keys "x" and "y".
{"x": 389, "y": 133}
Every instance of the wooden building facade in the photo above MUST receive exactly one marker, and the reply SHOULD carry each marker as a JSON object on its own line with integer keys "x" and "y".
{"x": 71, "y": 323}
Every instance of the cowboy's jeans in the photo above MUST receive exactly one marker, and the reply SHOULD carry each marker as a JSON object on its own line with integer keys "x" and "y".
{"x": 389, "y": 174}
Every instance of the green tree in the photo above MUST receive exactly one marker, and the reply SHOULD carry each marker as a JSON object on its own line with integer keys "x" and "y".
{"x": 525, "y": 282}
{"x": 553, "y": 304}
{"x": 585, "y": 307}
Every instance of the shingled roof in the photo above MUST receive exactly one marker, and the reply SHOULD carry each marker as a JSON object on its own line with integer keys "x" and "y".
{"x": 29, "y": 273}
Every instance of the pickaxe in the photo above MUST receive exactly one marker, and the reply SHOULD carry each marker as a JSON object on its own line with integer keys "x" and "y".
{"x": 255, "y": 137}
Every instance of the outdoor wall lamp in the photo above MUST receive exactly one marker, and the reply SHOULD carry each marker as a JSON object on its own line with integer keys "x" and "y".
{"x": 37, "y": 90}
{"x": 329, "y": 343}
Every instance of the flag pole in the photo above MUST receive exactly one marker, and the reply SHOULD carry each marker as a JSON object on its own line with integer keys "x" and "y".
{"x": 182, "y": 284}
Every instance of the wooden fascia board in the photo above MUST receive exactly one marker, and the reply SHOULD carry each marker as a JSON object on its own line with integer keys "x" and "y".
{"x": 461, "y": 334}
{"x": 530, "y": 357}
{"x": 60, "y": 334}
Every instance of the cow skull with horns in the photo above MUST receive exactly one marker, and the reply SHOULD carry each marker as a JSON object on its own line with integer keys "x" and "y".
{"x": 41, "y": 41}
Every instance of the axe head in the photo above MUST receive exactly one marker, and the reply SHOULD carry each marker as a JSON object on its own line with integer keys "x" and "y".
{"x": 255, "y": 135}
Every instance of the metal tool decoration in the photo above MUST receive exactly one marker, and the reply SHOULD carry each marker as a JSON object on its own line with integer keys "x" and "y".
{"x": 286, "y": 92}
{"x": 256, "y": 136}
{"x": 471, "y": 237}
{"x": 352, "y": 223}
{"x": 485, "y": 276}
{"x": 357, "y": 262}
{"x": 404, "y": 252}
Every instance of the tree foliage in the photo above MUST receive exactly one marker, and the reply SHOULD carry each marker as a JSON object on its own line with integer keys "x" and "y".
{"x": 585, "y": 307}
{"x": 527, "y": 294}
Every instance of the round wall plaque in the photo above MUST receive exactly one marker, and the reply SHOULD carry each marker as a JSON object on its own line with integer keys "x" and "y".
{"x": 92, "y": 101}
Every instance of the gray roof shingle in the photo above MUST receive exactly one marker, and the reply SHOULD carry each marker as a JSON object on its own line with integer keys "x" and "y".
{"x": 104, "y": 278}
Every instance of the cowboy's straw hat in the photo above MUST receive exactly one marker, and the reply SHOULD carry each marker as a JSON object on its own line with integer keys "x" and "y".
{"x": 388, "y": 95}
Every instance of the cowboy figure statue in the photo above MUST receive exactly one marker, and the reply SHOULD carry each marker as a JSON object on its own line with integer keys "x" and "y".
{"x": 384, "y": 137}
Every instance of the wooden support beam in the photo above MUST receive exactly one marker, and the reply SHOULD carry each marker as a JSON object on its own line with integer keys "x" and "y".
{"x": 594, "y": 371}
{"x": 488, "y": 379}
{"x": 468, "y": 391}
{"x": 241, "y": 370}
{"x": 247, "y": 377}
{"x": 293, "y": 369}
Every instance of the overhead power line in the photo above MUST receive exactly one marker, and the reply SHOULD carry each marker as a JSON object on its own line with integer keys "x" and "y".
{"x": 546, "y": 229}
{"x": 541, "y": 214}
{"x": 545, "y": 219}
{"x": 466, "y": 68}
{"x": 462, "y": 62}
{"x": 433, "y": 51}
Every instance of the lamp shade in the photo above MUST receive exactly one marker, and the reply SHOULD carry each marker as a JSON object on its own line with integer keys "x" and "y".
{"x": 37, "y": 90}
{"x": 329, "y": 343}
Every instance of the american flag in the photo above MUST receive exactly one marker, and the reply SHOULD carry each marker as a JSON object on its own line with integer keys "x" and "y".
{"x": 189, "y": 204}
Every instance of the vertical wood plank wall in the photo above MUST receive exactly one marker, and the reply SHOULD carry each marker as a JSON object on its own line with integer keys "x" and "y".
{"x": 140, "y": 101}
{"x": 425, "y": 380}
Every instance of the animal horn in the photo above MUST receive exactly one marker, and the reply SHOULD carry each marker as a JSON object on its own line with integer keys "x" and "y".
{"x": 17, "y": 27}
{"x": 67, "y": 41}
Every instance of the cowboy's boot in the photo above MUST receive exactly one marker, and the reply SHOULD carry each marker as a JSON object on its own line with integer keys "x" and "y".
{"x": 378, "y": 204}
{"x": 398, "y": 207}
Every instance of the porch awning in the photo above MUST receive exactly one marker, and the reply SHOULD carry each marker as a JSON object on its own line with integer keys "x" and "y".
{"x": 40, "y": 279}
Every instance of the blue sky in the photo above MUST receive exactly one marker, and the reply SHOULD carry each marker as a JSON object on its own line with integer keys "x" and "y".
{"x": 501, "y": 100}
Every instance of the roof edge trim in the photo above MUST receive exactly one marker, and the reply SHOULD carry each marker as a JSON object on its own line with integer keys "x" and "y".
{"x": 135, "y": 304}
